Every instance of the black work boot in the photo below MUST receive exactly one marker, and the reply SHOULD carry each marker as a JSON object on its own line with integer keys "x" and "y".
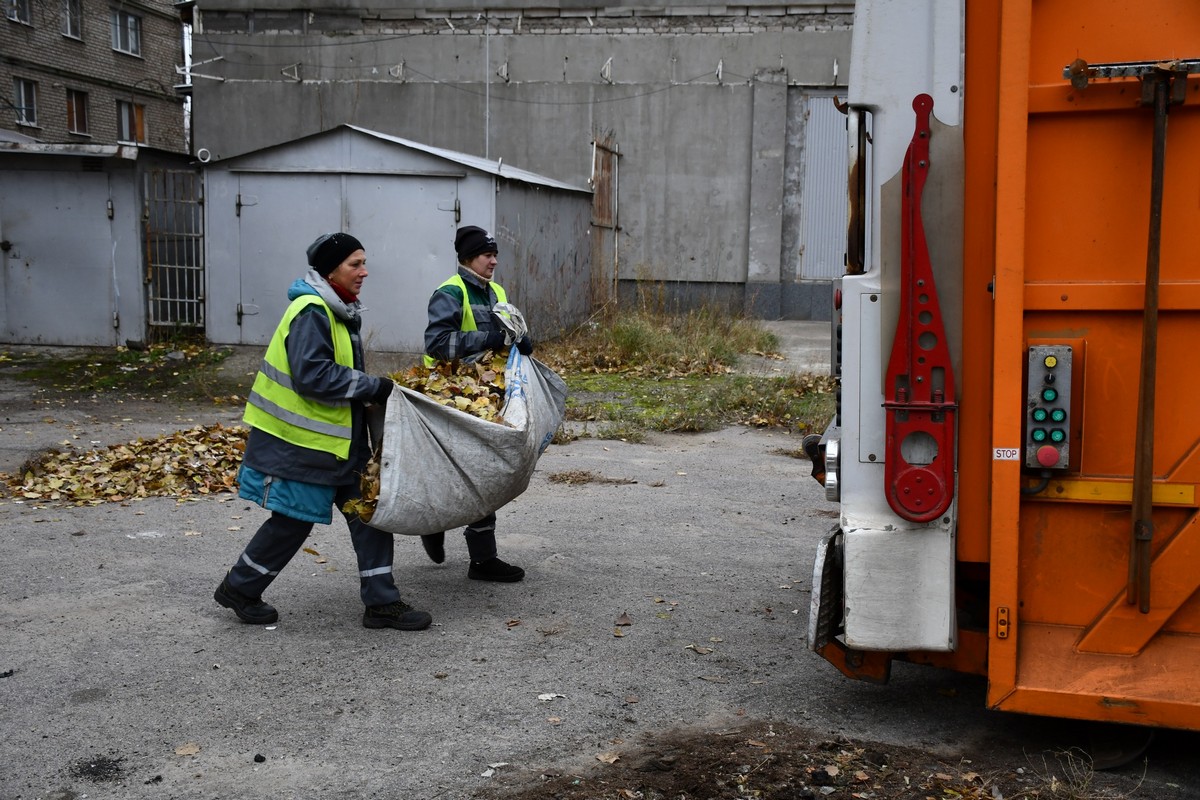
{"x": 435, "y": 546}
{"x": 399, "y": 615}
{"x": 249, "y": 609}
{"x": 494, "y": 570}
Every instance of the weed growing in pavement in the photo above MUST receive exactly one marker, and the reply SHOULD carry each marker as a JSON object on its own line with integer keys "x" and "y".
{"x": 633, "y": 372}
{"x": 643, "y": 342}
{"x": 1073, "y": 777}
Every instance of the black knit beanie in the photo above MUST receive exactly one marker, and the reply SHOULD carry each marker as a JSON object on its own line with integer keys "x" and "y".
{"x": 330, "y": 250}
{"x": 471, "y": 241}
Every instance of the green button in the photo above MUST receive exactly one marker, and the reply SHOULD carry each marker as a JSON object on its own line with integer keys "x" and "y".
{"x": 1049, "y": 395}
{"x": 1039, "y": 415}
{"x": 1038, "y": 435}
{"x": 1058, "y": 435}
{"x": 1058, "y": 415}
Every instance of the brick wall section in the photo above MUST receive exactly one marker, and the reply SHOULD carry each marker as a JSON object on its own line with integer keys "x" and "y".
{"x": 41, "y": 53}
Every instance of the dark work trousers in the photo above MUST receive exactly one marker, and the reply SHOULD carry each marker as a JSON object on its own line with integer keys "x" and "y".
{"x": 281, "y": 537}
{"x": 480, "y": 536}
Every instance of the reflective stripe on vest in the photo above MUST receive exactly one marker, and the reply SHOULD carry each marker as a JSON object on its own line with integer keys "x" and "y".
{"x": 274, "y": 405}
{"x": 468, "y": 316}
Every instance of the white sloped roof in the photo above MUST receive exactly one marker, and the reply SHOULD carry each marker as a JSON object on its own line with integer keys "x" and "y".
{"x": 497, "y": 168}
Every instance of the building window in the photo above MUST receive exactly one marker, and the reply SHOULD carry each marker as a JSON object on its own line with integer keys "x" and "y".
{"x": 73, "y": 18}
{"x": 131, "y": 122}
{"x": 18, "y": 10}
{"x": 127, "y": 32}
{"x": 25, "y": 101}
{"x": 77, "y": 111}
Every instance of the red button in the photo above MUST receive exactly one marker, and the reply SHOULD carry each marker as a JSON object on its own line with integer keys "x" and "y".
{"x": 1047, "y": 456}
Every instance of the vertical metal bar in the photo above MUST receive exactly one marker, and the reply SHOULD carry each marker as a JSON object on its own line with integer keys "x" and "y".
{"x": 1138, "y": 588}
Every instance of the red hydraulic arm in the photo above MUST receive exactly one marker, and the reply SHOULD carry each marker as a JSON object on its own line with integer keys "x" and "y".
{"x": 919, "y": 384}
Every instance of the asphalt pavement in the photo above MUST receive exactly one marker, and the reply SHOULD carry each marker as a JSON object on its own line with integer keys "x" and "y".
{"x": 670, "y": 588}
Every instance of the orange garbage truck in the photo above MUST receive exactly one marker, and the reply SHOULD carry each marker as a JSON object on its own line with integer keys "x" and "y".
{"x": 1016, "y": 450}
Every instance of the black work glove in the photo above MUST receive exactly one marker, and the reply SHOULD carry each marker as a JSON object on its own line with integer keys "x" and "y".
{"x": 494, "y": 341}
{"x": 524, "y": 345}
{"x": 383, "y": 392}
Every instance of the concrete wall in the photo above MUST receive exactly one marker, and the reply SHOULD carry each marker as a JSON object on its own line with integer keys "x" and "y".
{"x": 695, "y": 96}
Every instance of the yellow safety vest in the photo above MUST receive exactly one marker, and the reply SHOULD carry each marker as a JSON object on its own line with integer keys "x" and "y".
{"x": 276, "y": 408}
{"x": 468, "y": 316}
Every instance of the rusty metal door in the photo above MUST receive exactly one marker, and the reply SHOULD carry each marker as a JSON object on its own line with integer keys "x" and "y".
{"x": 605, "y": 257}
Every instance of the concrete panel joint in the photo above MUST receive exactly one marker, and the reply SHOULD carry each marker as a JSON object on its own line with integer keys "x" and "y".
{"x": 767, "y": 157}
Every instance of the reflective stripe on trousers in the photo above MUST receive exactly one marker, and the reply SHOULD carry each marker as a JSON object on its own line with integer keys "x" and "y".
{"x": 280, "y": 537}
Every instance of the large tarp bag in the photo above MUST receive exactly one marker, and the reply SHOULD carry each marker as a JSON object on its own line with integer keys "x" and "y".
{"x": 441, "y": 468}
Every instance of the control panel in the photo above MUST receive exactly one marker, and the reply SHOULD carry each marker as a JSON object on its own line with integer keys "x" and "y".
{"x": 1048, "y": 407}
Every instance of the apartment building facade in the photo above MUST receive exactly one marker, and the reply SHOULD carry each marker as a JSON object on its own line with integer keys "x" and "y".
{"x": 92, "y": 72}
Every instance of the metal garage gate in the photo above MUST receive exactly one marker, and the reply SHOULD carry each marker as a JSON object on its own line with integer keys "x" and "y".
{"x": 173, "y": 217}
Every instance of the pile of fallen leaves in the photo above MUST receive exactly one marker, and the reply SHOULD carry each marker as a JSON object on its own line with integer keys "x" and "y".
{"x": 476, "y": 388}
{"x": 197, "y": 461}
{"x": 204, "y": 459}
